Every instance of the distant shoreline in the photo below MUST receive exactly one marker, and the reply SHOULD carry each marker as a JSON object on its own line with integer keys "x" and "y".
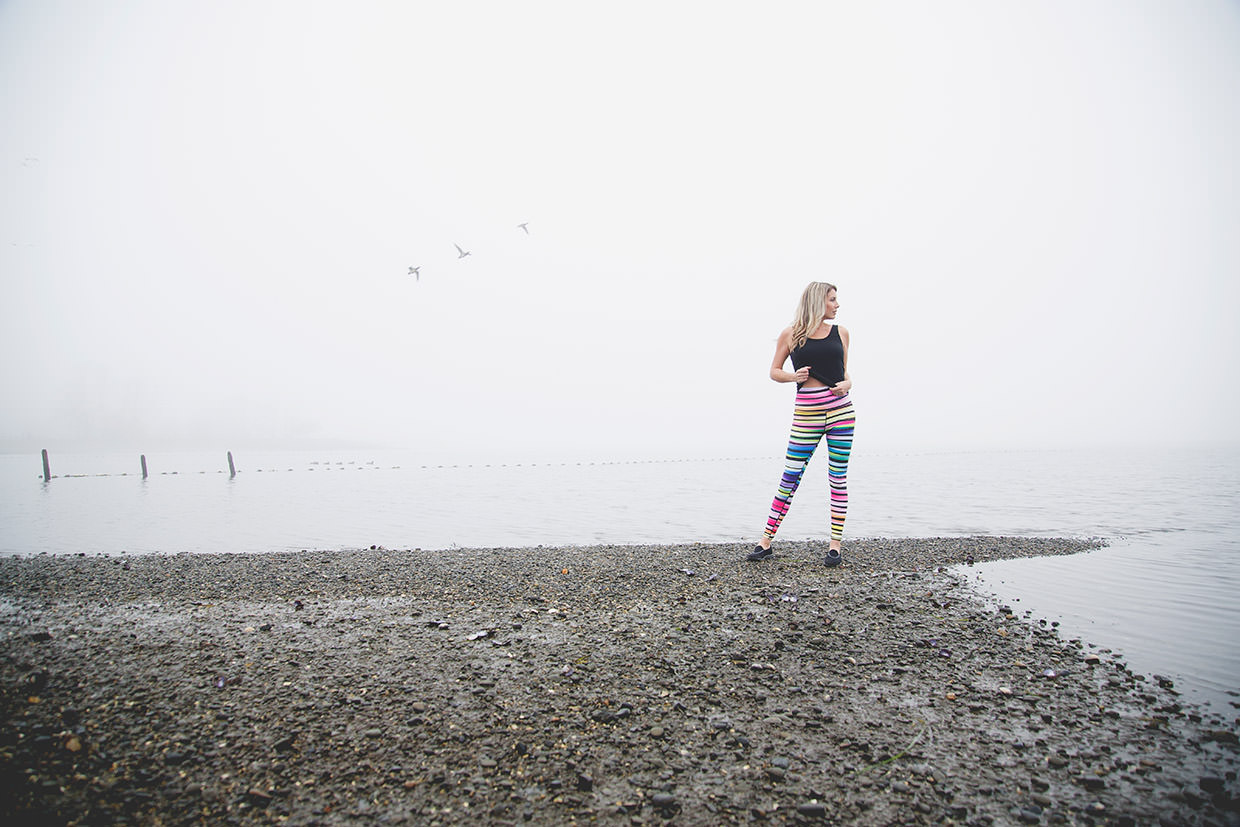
{"x": 587, "y": 683}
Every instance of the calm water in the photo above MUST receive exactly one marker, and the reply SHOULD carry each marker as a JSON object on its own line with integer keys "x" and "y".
{"x": 1164, "y": 594}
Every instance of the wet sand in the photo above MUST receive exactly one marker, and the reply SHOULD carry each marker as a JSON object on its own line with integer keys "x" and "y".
{"x": 612, "y": 684}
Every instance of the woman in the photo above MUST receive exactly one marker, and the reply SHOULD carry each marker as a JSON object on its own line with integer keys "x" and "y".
{"x": 819, "y": 351}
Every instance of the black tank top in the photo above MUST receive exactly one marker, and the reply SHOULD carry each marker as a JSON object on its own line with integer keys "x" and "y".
{"x": 825, "y": 357}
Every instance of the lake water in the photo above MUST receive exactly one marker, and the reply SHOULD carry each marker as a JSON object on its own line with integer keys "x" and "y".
{"x": 1165, "y": 594}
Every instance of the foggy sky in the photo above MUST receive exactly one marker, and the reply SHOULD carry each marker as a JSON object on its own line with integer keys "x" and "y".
{"x": 208, "y": 212}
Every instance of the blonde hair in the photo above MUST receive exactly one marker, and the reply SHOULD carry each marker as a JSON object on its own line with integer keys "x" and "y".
{"x": 811, "y": 310}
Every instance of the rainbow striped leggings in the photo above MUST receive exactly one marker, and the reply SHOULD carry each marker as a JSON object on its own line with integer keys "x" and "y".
{"x": 818, "y": 413}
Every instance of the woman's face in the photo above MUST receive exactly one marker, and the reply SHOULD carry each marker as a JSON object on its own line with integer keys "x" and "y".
{"x": 833, "y": 304}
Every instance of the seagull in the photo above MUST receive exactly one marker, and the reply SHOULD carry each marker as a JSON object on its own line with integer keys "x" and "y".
{"x": 413, "y": 271}
{"x": 527, "y": 229}
{"x": 462, "y": 253}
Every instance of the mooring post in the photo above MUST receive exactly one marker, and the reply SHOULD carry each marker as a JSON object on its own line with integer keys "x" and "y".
{"x": 144, "y": 466}
{"x": 47, "y": 468}
{"x": 232, "y": 469}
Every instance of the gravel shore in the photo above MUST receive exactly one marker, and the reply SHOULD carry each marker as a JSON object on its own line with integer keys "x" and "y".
{"x": 612, "y": 684}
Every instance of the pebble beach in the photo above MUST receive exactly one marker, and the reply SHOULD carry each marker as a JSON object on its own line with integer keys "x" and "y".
{"x": 605, "y": 684}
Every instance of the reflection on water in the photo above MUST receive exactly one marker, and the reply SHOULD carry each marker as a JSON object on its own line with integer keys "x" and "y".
{"x": 1163, "y": 594}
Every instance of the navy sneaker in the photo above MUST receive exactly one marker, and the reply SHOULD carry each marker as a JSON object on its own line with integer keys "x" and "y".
{"x": 759, "y": 553}
{"x": 834, "y": 558}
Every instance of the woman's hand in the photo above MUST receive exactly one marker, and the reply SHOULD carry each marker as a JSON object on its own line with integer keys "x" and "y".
{"x": 801, "y": 375}
{"x": 841, "y": 387}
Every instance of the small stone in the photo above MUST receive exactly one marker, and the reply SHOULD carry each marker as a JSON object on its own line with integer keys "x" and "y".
{"x": 812, "y": 809}
{"x": 776, "y": 773}
{"x": 663, "y": 801}
{"x": 259, "y": 798}
{"x": 585, "y": 783}
{"x": 656, "y": 732}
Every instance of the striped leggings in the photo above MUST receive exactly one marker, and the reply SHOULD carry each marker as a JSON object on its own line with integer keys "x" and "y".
{"x": 818, "y": 413}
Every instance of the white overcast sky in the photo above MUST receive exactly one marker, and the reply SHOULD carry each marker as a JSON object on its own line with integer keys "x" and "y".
{"x": 208, "y": 212}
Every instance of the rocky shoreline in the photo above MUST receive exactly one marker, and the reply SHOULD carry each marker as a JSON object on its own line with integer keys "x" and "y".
{"x": 611, "y": 684}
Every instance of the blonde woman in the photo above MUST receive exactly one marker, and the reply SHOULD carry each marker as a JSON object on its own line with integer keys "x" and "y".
{"x": 819, "y": 351}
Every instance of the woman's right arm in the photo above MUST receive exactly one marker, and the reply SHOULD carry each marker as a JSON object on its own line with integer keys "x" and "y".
{"x": 782, "y": 351}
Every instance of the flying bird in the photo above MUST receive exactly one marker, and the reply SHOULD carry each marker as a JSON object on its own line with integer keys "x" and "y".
{"x": 527, "y": 229}
{"x": 461, "y": 253}
{"x": 413, "y": 271}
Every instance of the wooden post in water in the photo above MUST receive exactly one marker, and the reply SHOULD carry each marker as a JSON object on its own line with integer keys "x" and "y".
{"x": 232, "y": 469}
{"x": 47, "y": 468}
{"x": 144, "y": 466}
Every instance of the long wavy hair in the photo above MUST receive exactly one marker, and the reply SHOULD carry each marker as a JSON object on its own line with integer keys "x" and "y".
{"x": 811, "y": 310}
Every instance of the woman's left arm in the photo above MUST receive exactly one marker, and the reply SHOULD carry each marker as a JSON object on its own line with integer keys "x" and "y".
{"x": 844, "y": 386}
